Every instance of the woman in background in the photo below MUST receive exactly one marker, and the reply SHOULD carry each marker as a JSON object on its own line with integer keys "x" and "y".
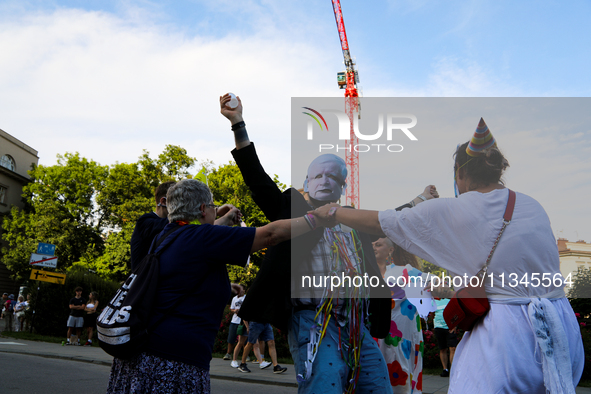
{"x": 90, "y": 317}
{"x": 403, "y": 347}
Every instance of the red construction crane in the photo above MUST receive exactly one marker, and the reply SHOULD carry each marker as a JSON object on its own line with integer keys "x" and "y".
{"x": 349, "y": 80}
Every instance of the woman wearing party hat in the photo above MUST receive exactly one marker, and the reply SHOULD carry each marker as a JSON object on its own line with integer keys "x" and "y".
{"x": 529, "y": 341}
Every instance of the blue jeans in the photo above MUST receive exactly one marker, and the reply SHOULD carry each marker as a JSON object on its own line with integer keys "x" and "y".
{"x": 259, "y": 331}
{"x": 329, "y": 370}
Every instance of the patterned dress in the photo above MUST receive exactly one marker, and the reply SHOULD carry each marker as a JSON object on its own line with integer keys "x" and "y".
{"x": 403, "y": 347}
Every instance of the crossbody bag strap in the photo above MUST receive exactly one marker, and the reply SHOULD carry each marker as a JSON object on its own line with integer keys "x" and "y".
{"x": 507, "y": 216}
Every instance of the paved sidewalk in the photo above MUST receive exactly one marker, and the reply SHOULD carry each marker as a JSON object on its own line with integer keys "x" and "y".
{"x": 219, "y": 369}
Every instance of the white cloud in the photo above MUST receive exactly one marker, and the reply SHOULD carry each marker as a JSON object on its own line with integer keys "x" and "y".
{"x": 94, "y": 83}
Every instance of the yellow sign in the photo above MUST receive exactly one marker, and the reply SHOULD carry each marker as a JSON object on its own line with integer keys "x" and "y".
{"x": 46, "y": 276}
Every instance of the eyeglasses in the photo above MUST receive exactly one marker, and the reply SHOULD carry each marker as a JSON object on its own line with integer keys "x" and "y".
{"x": 212, "y": 206}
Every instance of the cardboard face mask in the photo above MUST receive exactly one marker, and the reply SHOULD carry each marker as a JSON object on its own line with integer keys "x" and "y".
{"x": 325, "y": 181}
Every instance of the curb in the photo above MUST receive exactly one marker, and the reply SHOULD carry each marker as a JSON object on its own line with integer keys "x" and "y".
{"x": 59, "y": 357}
{"x": 213, "y": 375}
{"x": 242, "y": 378}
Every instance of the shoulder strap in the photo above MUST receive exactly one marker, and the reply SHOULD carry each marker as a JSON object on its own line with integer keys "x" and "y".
{"x": 156, "y": 243}
{"x": 510, "y": 206}
{"x": 507, "y": 216}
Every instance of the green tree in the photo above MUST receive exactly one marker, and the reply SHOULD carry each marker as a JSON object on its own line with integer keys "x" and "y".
{"x": 61, "y": 209}
{"x": 129, "y": 193}
{"x": 173, "y": 164}
{"x": 228, "y": 187}
{"x": 579, "y": 293}
{"x": 87, "y": 210}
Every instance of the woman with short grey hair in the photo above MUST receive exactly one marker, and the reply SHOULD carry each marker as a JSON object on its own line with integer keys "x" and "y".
{"x": 180, "y": 347}
{"x": 185, "y": 198}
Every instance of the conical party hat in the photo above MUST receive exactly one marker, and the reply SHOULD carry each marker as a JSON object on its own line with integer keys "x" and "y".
{"x": 482, "y": 139}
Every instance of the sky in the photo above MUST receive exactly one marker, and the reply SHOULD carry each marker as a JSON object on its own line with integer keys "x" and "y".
{"x": 110, "y": 78}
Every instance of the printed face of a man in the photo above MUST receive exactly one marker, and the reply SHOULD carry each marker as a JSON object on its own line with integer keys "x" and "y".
{"x": 325, "y": 181}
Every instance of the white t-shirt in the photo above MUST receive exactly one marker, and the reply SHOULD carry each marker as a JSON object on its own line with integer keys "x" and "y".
{"x": 458, "y": 233}
{"x": 236, "y": 304}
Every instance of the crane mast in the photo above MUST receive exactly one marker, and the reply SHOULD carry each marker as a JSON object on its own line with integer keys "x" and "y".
{"x": 349, "y": 80}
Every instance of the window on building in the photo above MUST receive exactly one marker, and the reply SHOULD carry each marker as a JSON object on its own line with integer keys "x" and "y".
{"x": 3, "y": 192}
{"x": 8, "y": 162}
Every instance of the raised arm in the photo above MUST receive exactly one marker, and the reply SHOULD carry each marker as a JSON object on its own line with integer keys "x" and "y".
{"x": 234, "y": 115}
{"x": 273, "y": 202}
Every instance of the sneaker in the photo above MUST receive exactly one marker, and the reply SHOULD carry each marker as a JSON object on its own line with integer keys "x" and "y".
{"x": 227, "y": 357}
{"x": 257, "y": 361}
{"x": 88, "y": 343}
{"x": 265, "y": 364}
{"x": 445, "y": 373}
{"x": 279, "y": 369}
{"x": 234, "y": 364}
{"x": 243, "y": 368}
{"x": 247, "y": 359}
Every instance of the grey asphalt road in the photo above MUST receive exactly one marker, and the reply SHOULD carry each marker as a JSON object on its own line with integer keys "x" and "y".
{"x": 28, "y": 374}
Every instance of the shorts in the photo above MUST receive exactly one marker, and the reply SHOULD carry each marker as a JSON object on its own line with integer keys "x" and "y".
{"x": 90, "y": 320}
{"x": 262, "y": 331}
{"x": 445, "y": 339}
{"x": 232, "y": 333}
{"x": 76, "y": 322}
{"x": 241, "y": 329}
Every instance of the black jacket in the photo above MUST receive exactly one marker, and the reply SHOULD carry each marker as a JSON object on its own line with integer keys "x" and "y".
{"x": 269, "y": 297}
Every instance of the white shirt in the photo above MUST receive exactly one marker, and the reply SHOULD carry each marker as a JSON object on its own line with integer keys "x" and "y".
{"x": 236, "y": 304}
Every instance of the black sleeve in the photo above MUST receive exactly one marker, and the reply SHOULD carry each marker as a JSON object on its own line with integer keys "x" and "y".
{"x": 265, "y": 192}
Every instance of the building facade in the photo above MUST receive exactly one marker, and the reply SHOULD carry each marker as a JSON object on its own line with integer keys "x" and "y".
{"x": 16, "y": 158}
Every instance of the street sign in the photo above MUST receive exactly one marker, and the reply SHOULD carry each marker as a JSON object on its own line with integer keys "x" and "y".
{"x": 46, "y": 276}
{"x": 47, "y": 249}
{"x": 43, "y": 260}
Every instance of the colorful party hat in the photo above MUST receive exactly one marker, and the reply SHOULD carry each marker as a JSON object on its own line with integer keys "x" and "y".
{"x": 482, "y": 139}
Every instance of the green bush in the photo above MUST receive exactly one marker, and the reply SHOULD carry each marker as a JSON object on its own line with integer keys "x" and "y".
{"x": 49, "y": 309}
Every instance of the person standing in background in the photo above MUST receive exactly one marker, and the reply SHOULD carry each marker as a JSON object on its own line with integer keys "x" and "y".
{"x": 446, "y": 340}
{"x": 76, "y": 318}
{"x": 90, "y": 317}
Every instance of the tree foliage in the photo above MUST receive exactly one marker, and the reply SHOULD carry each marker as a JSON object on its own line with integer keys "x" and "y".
{"x": 580, "y": 292}
{"x": 228, "y": 187}
{"x": 87, "y": 210}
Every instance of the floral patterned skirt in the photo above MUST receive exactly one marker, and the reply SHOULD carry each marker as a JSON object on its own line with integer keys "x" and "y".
{"x": 151, "y": 374}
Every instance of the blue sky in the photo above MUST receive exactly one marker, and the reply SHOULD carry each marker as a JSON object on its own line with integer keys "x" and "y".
{"x": 110, "y": 78}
